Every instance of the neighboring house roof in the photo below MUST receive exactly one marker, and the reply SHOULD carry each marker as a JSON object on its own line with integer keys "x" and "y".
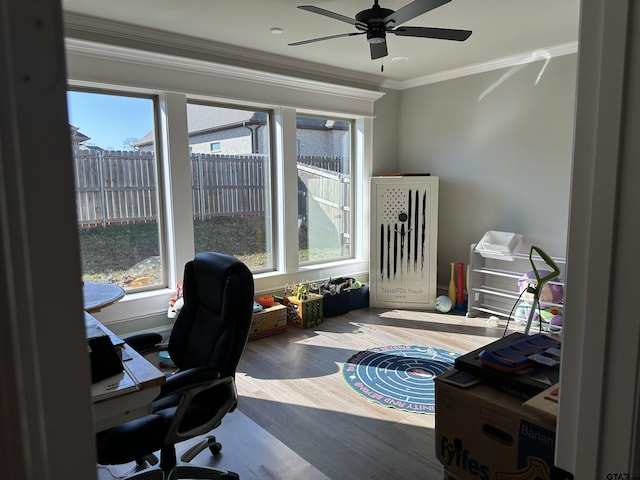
{"x": 201, "y": 119}
{"x": 76, "y": 136}
{"x": 321, "y": 124}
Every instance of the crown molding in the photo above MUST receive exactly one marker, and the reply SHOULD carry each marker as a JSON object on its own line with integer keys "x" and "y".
{"x": 496, "y": 64}
{"x": 191, "y": 65}
{"x": 222, "y": 55}
{"x": 84, "y": 27}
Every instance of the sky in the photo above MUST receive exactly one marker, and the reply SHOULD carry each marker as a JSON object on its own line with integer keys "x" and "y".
{"x": 110, "y": 119}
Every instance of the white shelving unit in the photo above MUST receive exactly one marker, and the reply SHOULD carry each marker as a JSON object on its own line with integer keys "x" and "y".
{"x": 493, "y": 281}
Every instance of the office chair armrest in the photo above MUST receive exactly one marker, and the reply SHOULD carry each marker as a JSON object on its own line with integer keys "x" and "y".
{"x": 145, "y": 342}
{"x": 186, "y": 380}
{"x": 228, "y": 396}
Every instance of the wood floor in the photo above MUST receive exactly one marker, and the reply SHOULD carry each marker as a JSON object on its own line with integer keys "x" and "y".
{"x": 298, "y": 419}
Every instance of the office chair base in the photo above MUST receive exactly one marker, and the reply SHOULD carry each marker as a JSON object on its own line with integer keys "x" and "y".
{"x": 147, "y": 461}
{"x": 145, "y": 473}
{"x": 209, "y": 442}
{"x": 201, "y": 472}
{"x": 152, "y": 474}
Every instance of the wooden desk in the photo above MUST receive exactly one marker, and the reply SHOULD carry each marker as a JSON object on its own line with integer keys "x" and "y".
{"x": 132, "y": 400}
{"x": 100, "y": 295}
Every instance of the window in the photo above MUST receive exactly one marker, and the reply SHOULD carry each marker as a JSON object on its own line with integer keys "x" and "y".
{"x": 215, "y": 147}
{"x": 231, "y": 190}
{"x": 117, "y": 198}
{"x": 324, "y": 188}
{"x": 273, "y": 232}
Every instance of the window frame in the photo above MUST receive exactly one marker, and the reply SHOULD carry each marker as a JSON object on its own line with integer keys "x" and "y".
{"x": 175, "y": 79}
{"x": 352, "y": 155}
{"x": 272, "y": 240}
{"x": 158, "y": 157}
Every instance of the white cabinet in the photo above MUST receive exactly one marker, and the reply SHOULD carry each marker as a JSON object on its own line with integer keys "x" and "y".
{"x": 404, "y": 235}
{"x": 494, "y": 282}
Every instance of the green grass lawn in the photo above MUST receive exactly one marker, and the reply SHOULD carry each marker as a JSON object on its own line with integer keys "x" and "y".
{"x": 112, "y": 252}
{"x": 118, "y": 253}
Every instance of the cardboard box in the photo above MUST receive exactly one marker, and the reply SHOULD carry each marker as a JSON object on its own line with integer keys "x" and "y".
{"x": 483, "y": 433}
{"x": 270, "y": 321}
{"x": 305, "y": 313}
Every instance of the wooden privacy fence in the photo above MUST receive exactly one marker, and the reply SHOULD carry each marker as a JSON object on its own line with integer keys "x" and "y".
{"x": 323, "y": 197}
{"x": 114, "y": 187}
{"x": 228, "y": 185}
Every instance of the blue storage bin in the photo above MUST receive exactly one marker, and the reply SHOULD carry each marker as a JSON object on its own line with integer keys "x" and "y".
{"x": 344, "y": 302}
{"x": 359, "y": 297}
{"x": 334, "y": 305}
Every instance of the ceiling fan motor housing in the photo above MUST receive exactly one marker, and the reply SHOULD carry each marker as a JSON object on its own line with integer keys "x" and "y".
{"x": 372, "y": 22}
{"x": 372, "y": 18}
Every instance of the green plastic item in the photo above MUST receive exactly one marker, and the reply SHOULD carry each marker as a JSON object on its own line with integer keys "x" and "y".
{"x": 555, "y": 271}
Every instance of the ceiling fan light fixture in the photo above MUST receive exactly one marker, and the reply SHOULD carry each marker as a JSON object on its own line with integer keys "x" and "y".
{"x": 375, "y": 36}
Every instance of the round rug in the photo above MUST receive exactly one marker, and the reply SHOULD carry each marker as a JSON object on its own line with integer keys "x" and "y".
{"x": 398, "y": 376}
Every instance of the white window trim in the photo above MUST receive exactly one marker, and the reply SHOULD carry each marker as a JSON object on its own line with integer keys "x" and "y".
{"x": 115, "y": 68}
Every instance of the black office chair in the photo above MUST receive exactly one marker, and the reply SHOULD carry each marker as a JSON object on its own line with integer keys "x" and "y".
{"x": 206, "y": 342}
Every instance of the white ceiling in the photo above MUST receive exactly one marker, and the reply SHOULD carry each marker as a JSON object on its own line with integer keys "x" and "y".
{"x": 502, "y": 29}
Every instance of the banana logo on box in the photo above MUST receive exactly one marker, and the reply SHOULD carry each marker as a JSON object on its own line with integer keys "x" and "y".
{"x": 535, "y": 470}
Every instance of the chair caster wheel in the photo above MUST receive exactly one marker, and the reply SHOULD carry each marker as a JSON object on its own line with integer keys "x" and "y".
{"x": 214, "y": 447}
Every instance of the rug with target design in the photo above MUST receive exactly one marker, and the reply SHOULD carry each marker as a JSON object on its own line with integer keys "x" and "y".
{"x": 398, "y": 376}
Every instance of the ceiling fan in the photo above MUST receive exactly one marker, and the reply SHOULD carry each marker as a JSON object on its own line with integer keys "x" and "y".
{"x": 377, "y": 21}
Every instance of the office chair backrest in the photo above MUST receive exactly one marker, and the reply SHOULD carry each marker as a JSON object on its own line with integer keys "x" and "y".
{"x": 213, "y": 326}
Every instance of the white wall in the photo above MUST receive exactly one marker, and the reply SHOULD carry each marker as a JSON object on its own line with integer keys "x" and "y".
{"x": 501, "y": 143}
{"x": 385, "y": 134}
{"x": 46, "y": 429}
{"x": 598, "y": 434}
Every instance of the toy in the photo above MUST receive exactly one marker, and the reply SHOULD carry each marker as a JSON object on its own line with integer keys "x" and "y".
{"x": 175, "y": 307}
{"x": 176, "y": 302}
{"x": 550, "y": 296}
{"x": 299, "y": 291}
{"x": 443, "y": 304}
{"x": 266, "y": 301}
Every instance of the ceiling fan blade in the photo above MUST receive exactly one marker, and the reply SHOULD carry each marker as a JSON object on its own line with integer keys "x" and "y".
{"x": 427, "y": 32}
{"x": 330, "y": 14}
{"x": 378, "y": 50}
{"x": 412, "y": 10}
{"x": 304, "y": 42}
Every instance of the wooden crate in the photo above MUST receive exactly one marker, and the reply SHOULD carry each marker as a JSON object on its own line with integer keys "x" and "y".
{"x": 270, "y": 321}
{"x": 305, "y": 313}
